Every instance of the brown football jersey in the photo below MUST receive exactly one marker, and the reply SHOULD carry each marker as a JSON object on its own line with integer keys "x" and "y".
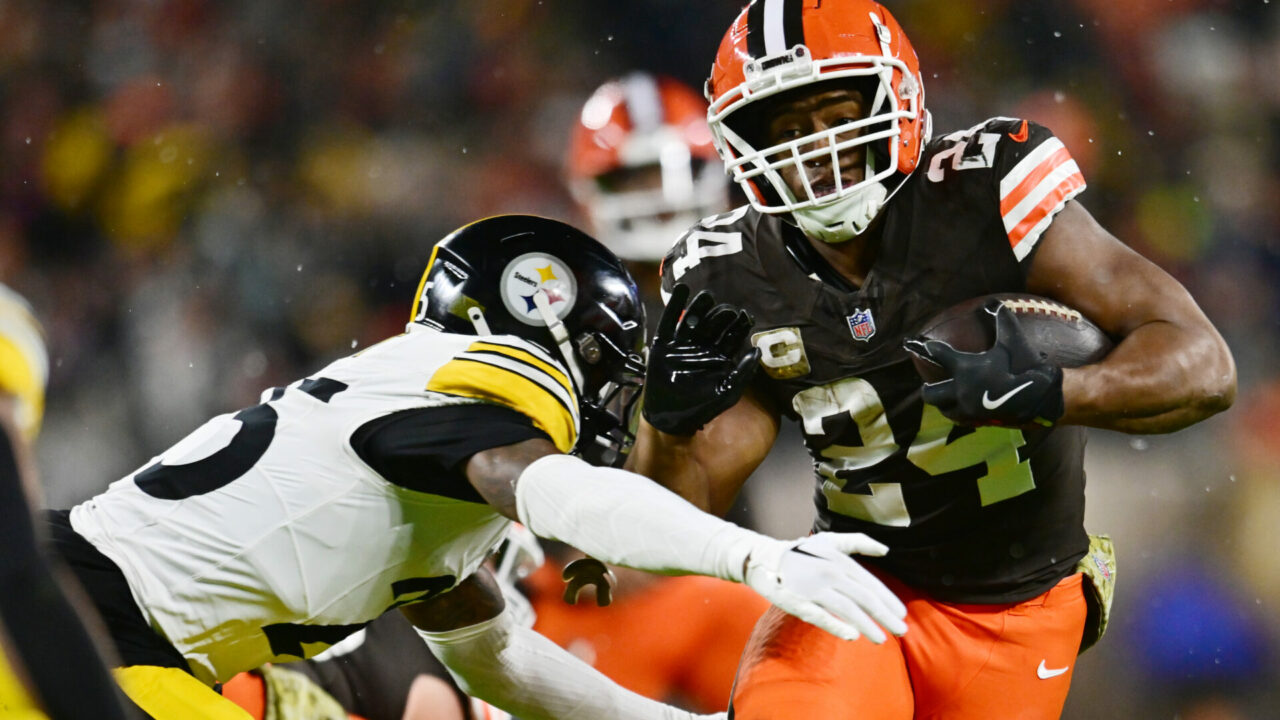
{"x": 986, "y": 515}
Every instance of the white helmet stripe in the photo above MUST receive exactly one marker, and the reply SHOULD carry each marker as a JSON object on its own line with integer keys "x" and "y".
{"x": 774, "y": 26}
{"x": 644, "y": 104}
{"x": 775, "y": 36}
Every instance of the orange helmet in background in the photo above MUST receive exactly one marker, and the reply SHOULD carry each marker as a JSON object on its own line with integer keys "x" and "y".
{"x": 642, "y": 165}
{"x": 776, "y": 46}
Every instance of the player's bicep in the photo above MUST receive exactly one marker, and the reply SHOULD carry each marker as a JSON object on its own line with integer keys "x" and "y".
{"x": 733, "y": 445}
{"x": 475, "y": 600}
{"x": 1082, "y": 265}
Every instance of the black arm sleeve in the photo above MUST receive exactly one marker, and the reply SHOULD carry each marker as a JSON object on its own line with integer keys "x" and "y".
{"x": 426, "y": 449}
{"x": 51, "y": 641}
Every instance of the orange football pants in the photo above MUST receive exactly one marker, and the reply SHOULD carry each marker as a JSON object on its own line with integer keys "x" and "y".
{"x": 956, "y": 662}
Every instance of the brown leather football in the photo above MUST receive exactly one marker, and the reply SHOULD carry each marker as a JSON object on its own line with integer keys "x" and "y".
{"x": 1065, "y": 336}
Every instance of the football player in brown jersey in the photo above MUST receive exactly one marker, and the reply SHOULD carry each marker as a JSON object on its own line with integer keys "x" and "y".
{"x": 859, "y": 229}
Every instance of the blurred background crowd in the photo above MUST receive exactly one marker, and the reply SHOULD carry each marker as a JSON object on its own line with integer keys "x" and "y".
{"x": 204, "y": 199}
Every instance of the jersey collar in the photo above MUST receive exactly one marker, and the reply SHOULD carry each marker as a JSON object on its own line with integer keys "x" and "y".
{"x": 811, "y": 263}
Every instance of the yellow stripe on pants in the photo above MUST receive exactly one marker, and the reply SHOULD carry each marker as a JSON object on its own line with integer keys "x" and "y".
{"x": 171, "y": 694}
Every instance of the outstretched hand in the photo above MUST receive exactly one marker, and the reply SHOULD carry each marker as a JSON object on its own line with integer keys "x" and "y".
{"x": 1009, "y": 384}
{"x": 699, "y": 362}
{"x": 814, "y": 579}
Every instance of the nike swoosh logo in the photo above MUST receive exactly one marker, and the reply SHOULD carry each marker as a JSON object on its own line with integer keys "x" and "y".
{"x": 990, "y": 404}
{"x": 1045, "y": 673}
{"x": 1021, "y": 135}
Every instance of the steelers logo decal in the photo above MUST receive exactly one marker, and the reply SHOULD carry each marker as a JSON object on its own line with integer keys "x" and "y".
{"x": 531, "y": 272}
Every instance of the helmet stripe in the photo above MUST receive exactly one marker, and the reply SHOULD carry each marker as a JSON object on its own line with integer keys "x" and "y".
{"x": 755, "y": 29}
{"x": 774, "y": 26}
{"x": 792, "y": 23}
{"x": 644, "y": 104}
{"x": 775, "y": 34}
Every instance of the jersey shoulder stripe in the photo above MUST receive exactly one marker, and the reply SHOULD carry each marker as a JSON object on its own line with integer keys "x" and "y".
{"x": 1035, "y": 190}
{"x": 517, "y": 376}
{"x": 527, "y": 354}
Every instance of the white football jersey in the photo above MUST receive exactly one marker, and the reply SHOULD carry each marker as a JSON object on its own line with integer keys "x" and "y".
{"x": 263, "y": 536}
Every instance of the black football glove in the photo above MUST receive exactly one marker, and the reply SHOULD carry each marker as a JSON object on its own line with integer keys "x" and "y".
{"x": 1010, "y": 384}
{"x": 699, "y": 364}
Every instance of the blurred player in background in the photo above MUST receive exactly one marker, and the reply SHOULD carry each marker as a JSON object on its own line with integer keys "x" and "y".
{"x": 43, "y": 638}
{"x": 384, "y": 480}
{"x": 642, "y": 167}
{"x": 860, "y": 229}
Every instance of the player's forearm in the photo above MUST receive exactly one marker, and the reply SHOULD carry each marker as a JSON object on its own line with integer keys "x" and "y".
{"x": 670, "y": 461}
{"x": 624, "y": 519}
{"x": 529, "y": 676}
{"x": 1161, "y": 378}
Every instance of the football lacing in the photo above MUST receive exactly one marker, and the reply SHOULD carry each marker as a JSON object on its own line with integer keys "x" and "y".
{"x": 1044, "y": 307}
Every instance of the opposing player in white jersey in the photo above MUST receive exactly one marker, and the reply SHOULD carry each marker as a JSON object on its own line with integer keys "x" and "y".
{"x": 385, "y": 478}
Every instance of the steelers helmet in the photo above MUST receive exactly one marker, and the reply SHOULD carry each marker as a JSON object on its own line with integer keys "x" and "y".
{"x": 555, "y": 286}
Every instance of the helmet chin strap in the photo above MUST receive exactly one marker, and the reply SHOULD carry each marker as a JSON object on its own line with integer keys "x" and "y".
{"x": 477, "y": 321}
{"x": 560, "y": 334}
{"x": 845, "y": 218}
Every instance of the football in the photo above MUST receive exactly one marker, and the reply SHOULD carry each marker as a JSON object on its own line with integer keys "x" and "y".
{"x": 1062, "y": 333}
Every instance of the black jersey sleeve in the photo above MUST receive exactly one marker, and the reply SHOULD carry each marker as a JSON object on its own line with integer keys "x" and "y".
{"x": 710, "y": 255}
{"x": 425, "y": 449}
{"x": 1035, "y": 176}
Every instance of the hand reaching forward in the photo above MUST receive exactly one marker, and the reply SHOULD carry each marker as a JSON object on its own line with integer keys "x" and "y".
{"x": 699, "y": 363}
{"x": 814, "y": 579}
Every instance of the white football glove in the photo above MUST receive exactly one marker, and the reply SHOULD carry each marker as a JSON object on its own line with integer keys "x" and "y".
{"x": 814, "y": 579}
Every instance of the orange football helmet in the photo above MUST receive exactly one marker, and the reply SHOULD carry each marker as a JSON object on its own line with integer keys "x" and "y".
{"x": 779, "y": 45}
{"x": 642, "y": 165}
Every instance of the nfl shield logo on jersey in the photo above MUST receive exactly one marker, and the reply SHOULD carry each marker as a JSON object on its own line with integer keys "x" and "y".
{"x": 862, "y": 325}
